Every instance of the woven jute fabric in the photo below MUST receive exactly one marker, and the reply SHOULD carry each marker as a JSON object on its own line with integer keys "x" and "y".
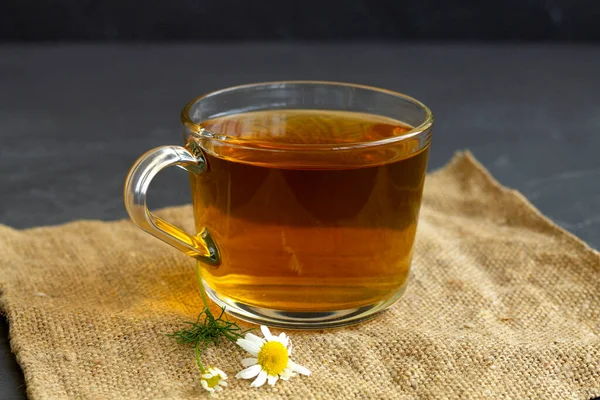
{"x": 502, "y": 304}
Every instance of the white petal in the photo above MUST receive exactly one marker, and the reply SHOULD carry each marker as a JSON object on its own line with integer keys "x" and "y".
{"x": 284, "y": 339}
{"x": 254, "y": 339}
{"x": 249, "y": 372}
{"x": 286, "y": 377}
{"x": 249, "y": 346}
{"x": 222, "y": 383}
{"x": 272, "y": 379}
{"x": 260, "y": 380}
{"x": 275, "y": 339}
{"x": 206, "y": 376}
{"x": 298, "y": 368}
{"x": 287, "y": 374}
{"x": 204, "y": 384}
{"x": 217, "y": 388}
{"x": 266, "y": 332}
{"x": 246, "y": 362}
{"x": 219, "y": 372}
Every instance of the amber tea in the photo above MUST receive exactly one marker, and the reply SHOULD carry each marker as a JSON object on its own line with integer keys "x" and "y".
{"x": 309, "y": 237}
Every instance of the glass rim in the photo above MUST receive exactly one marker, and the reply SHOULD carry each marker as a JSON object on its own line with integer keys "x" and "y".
{"x": 198, "y": 131}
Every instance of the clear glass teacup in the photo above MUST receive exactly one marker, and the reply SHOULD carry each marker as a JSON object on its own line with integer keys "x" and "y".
{"x": 306, "y": 198}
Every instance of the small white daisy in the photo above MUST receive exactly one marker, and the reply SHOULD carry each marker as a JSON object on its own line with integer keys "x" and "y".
{"x": 270, "y": 359}
{"x": 213, "y": 379}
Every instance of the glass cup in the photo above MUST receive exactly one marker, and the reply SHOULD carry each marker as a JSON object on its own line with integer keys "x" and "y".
{"x": 309, "y": 233}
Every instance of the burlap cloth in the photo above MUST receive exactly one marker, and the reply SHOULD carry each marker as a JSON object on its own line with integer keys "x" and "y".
{"x": 502, "y": 304}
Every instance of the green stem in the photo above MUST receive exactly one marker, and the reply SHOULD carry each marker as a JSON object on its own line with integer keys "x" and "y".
{"x": 201, "y": 286}
{"x": 198, "y": 361}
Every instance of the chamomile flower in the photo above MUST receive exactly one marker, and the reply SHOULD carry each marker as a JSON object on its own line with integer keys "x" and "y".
{"x": 270, "y": 359}
{"x": 213, "y": 379}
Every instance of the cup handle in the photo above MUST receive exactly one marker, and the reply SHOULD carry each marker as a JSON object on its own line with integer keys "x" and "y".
{"x": 202, "y": 247}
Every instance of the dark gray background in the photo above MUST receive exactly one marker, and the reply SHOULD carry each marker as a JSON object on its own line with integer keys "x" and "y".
{"x": 114, "y": 20}
{"x": 73, "y": 118}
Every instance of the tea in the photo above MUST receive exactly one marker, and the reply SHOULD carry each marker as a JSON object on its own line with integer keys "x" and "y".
{"x": 297, "y": 236}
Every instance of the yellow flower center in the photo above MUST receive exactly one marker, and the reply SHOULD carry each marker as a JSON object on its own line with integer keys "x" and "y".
{"x": 212, "y": 382}
{"x": 273, "y": 358}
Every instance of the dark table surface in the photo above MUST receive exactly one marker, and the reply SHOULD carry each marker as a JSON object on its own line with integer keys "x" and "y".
{"x": 73, "y": 118}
